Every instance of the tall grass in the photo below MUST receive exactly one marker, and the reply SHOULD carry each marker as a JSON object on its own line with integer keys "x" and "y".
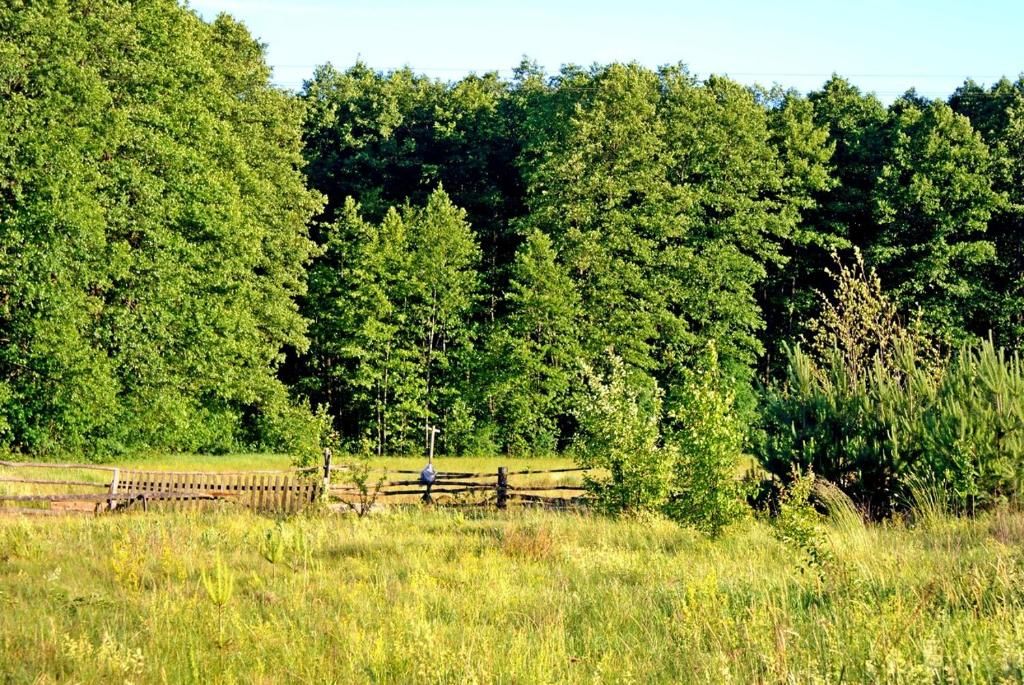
{"x": 426, "y": 596}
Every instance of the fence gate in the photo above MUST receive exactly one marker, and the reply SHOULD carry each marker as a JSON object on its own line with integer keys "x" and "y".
{"x": 276, "y": 492}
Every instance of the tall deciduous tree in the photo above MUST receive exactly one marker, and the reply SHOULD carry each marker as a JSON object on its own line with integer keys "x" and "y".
{"x": 390, "y": 138}
{"x": 998, "y": 114}
{"x": 788, "y": 293}
{"x": 933, "y": 201}
{"x": 152, "y": 230}
{"x": 391, "y": 304}
{"x": 534, "y": 353}
{"x": 666, "y": 198}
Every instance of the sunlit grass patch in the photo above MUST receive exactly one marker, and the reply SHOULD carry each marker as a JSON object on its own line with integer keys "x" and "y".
{"x": 422, "y": 595}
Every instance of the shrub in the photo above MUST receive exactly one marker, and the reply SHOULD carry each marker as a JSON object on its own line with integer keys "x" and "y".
{"x": 973, "y": 435}
{"x": 358, "y": 477}
{"x": 683, "y": 464}
{"x": 877, "y": 414}
{"x": 798, "y": 524}
{"x": 620, "y": 428}
{"x": 708, "y": 439}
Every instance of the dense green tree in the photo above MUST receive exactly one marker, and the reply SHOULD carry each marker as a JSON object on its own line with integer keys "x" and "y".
{"x": 666, "y": 198}
{"x": 998, "y": 114}
{"x": 831, "y": 146}
{"x": 855, "y": 121}
{"x": 152, "y": 230}
{"x": 620, "y": 438}
{"x": 153, "y": 240}
{"x": 873, "y": 407}
{"x": 602, "y": 194}
{"x": 391, "y": 327}
{"x": 390, "y": 138}
{"x": 933, "y": 200}
{"x": 534, "y": 353}
{"x": 788, "y": 293}
{"x": 745, "y": 184}
{"x": 366, "y": 137}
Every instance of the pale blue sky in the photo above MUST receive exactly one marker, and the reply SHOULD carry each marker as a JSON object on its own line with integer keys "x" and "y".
{"x": 883, "y": 46}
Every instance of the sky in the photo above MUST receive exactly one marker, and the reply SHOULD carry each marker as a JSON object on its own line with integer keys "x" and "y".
{"x": 884, "y": 47}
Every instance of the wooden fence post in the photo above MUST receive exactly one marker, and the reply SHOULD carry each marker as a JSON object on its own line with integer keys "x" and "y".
{"x": 327, "y": 468}
{"x": 502, "y": 487}
{"x": 112, "y": 502}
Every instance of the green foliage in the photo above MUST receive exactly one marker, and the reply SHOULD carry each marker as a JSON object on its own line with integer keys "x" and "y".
{"x": 391, "y": 331}
{"x": 676, "y": 211}
{"x": 359, "y": 475}
{"x": 854, "y": 121}
{"x": 290, "y": 427}
{"x": 152, "y": 229}
{"x": 154, "y": 252}
{"x": 973, "y": 437}
{"x": 707, "y": 436}
{"x": 665, "y": 199}
{"x": 799, "y": 525}
{"x": 219, "y": 585}
{"x": 620, "y": 424}
{"x": 850, "y": 409}
{"x": 220, "y": 589}
{"x": 534, "y": 352}
{"x": 933, "y": 201}
{"x": 387, "y": 139}
{"x": 682, "y": 463}
{"x": 805, "y": 148}
{"x": 274, "y": 545}
{"x": 923, "y": 194}
{"x": 876, "y": 410}
{"x": 998, "y": 115}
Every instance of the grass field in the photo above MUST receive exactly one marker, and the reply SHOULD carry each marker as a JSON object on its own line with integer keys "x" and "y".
{"x": 270, "y": 461}
{"x": 246, "y": 462}
{"x": 434, "y": 596}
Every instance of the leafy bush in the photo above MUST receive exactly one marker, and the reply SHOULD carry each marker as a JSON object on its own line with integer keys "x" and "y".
{"x": 290, "y": 427}
{"x": 798, "y": 524}
{"x": 683, "y": 465}
{"x": 708, "y": 439}
{"x": 619, "y": 422}
{"x": 358, "y": 475}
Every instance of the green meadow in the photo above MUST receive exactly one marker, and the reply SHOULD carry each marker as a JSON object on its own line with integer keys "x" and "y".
{"x": 417, "y": 595}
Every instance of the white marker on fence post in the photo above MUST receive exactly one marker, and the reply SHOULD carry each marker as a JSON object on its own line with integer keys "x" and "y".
{"x": 433, "y": 432}
{"x": 112, "y": 502}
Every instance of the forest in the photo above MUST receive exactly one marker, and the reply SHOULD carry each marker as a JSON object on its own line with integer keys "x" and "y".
{"x": 655, "y": 270}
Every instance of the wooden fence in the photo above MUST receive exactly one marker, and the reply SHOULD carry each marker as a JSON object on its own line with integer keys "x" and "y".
{"x": 116, "y": 489}
{"x": 460, "y": 488}
{"x": 39, "y": 488}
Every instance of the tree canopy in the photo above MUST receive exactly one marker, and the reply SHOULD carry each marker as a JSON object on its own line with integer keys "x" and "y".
{"x": 192, "y": 258}
{"x": 153, "y": 230}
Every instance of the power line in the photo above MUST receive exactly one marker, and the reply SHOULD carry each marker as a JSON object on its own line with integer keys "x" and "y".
{"x": 790, "y": 74}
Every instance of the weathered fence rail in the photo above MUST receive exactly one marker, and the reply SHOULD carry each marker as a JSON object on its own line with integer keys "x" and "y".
{"x": 465, "y": 488}
{"x": 111, "y": 489}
